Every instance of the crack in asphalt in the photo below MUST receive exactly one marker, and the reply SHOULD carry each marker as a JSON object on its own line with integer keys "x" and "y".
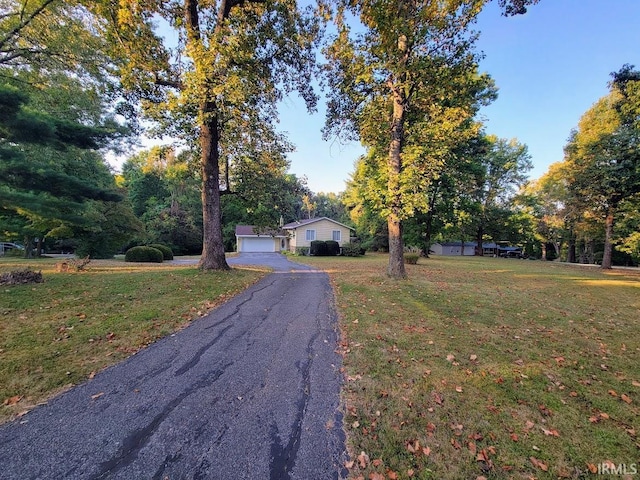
{"x": 283, "y": 459}
{"x": 198, "y": 355}
{"x": 133, "y": 443}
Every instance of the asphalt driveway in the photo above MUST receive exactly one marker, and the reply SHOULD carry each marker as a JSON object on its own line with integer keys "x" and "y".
{"x": 250, "y": 391}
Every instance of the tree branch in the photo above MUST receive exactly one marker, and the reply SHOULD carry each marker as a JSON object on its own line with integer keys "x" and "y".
{"x": 25, "y": 22}
{"x": 177, "y": 84}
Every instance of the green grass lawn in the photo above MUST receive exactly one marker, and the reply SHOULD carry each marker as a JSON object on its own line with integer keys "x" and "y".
{"x": 61, "y": 332}
{"x": 471, "y": 368}
{"x": 483, "y": 367}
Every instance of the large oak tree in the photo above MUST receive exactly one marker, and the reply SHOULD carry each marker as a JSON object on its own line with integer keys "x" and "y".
{"x": 407, "y": 87}
{"x": 212, "y": 75}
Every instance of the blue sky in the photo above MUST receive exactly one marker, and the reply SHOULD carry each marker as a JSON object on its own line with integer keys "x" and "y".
{"x": 550, "y": 66}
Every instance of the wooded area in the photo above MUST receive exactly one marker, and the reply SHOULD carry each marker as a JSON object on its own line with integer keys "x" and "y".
{"x": 402, "y": 79}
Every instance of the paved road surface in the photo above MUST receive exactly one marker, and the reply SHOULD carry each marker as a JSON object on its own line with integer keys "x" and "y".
{"x": 249, "y": 392}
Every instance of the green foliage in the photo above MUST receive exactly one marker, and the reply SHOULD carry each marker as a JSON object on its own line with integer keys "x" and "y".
{"x": 411, "y": 258}
{"x": 167, "y": 253}
{"x": 319, "y": 248}
{"x": 603, "y": 157}
{"x": 302, "y": 251}
{"x": 333, "y": 247}
{"x": 352, "y": 249}
{"x": 143, "y": 254}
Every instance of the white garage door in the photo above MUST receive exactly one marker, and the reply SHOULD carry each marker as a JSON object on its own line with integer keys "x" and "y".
{"x": 258, "y": 245}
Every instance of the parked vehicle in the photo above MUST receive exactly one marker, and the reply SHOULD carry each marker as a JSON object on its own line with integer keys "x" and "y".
{"x": 512, "y": 254}
{"x": 6, "y": 247}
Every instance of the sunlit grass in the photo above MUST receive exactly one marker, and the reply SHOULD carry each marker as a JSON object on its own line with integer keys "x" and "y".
{"x": 487, "y": 367}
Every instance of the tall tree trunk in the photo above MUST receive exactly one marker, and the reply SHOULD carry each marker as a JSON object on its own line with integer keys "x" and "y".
{"x": 213, "y": 257}
{"x": 428, "y": 229}
{"x": 571, "y": 254}
{"x": 396, "y": 268}
{"x": 479, "y": 235}
{"x": 608, "y": 244}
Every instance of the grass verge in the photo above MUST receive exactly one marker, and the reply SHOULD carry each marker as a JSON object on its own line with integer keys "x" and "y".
{"x": 61, "y": 332}
{"x": 488, "y": 368}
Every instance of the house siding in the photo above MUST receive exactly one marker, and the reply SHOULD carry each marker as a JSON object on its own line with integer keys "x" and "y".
{"x": 324, "y": 231}
{"x": 453, "y": 249}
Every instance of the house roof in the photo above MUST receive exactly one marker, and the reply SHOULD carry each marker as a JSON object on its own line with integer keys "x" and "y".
{"x": 302, "y": 223}
{"x": 456, "y": 244}
{"x": 250, "y": 231}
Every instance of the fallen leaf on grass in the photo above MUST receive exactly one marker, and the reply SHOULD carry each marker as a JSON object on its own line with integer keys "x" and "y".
{"x": 592, "y": 468}
{"x": 392, "y": 475}
{"x": 635, "y": 383}
{"x": 413, "y": 446}
{"x": 376, "y": 476}
{"x": 539, "y": 464}
{"x": 377, "y": 462}
{"x": 363, "y": 460}
{"x": 459, "y": 389}
{"x": 625, "y": 398}
{"x": 9, "y": 402}
{"x": 550, "y": 433}
{"x": 544, "y": 410}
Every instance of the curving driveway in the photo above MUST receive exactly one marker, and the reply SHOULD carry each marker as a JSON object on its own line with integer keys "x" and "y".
{"x": 251, "y": 391}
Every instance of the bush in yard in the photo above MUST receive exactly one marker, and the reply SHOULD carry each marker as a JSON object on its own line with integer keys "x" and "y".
{"x": 167, "y": 253}
{"x": 411, "y": 258}
{"x": 302, "y": 251}
{"x": 352, "y": 250}
{"x": 143, "y": 254}
{"x": 20, "y": 277}
{"x": 333, "y": 247}
{"x": 318, "y": 248}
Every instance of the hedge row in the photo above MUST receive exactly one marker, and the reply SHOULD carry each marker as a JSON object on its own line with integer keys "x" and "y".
{"x": 322, "y": 248}
{"x": 330, "y": 248}
{"x": 154, "y": 253}
{"x": 143, "y": 254}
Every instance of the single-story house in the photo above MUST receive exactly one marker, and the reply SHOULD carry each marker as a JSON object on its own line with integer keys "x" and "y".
{"x": 303, "y": 232}
{"x": 252, "y": 239}
{"x": 290, "y": 236}
{"x": 454, "y": 248}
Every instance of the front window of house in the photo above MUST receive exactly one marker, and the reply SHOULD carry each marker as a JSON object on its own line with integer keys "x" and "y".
{"x": 311, "y": 235}
{"x": 336, "y": 236}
